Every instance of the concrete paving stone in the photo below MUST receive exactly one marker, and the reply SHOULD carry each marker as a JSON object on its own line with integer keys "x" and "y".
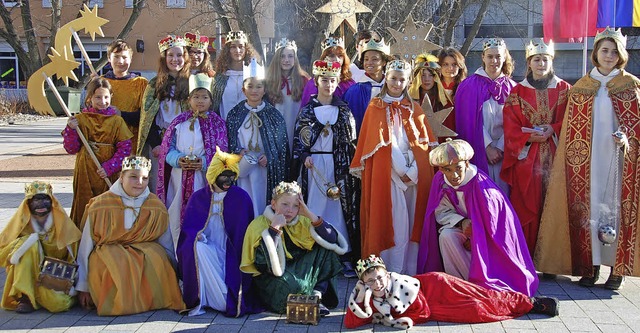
{"x": 520, "y": 330}
{"x": 168, "y": 315}
{"x": 382, "y": 328}
{"x": 589, "y": 305}
{"x": 222, "y": 320}
{"x": 328, "y": 328}
{"x": 605, "y": 317}
{"x": 191, "y": 327}
{"x": 542, "y": 317}
{"x": 571, "y": 309}
{"x": 60, "y": 321}
{"x": 520, "y": 323}
{"x": 156, "y": 327}
{"x": 580, "y": 324}
{"x": 17, "y": 324}
{"x": 47, "y": 330}
{"x": 38, "y": 315}
{"x": 550, "y": 326}
{"x": 88, "y": 326}
{"x": 423, "y": 328}
{"x": 117, "y": 331}
{"x": 494, "y": 327}
{"x": 609, "y": 328}
{"x": 125, "y": 323}
{"x": 454, "y": 328}
{"x": 94, "y": 317}
{"x": 333, "y": 318}
{"x": 227, "y": 329}
{"x": 291, "y": 328}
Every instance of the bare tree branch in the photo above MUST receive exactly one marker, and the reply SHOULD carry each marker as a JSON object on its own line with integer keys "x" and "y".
{"x": 474, "y": 28}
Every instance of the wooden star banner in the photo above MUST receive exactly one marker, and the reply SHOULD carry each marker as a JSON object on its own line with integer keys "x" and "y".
{"x": 413, "y": 41}
{"x": 343, "y": 10}
{"x": 435, "y": 119}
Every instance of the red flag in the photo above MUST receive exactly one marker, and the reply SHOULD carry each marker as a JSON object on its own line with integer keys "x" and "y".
{"x": 569, "y": 20}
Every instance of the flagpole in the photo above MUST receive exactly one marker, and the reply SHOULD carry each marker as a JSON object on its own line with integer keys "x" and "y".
{"x": 584, "y": 41}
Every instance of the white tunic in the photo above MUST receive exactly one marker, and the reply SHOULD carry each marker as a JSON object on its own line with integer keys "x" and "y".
{"x": 289, "y": 110}
{"x": 169, "y": 110}
{"x": 187, "y": 142}
{"x": 211, "y": 254}
{"x": 375, "y": 86}
{"x": 330, "y": 210}
{"x": 232, "y": 94}
{"x": 603, "y": 164}
{"x": 403, "y": 256}
{"x": 252, "y": 177}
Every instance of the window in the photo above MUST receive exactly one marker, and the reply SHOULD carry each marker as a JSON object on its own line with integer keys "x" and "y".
{"x": 9, "y": 4}
{"x": 94, "y": 52}
{"x": 11, "y": 77}
{"x": 46, "y": 4}
{"x": 176, "y": 3}
{"x": 92, "y": 3}
{"x": 128, "y": 3}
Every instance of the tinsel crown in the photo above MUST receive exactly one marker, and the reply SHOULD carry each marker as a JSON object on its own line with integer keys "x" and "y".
{"x": 287, "y": 43}
{"x": 327, "y": 68}
{"x": 286, "y": 188}
{"x": 331, "y": 42}
{"x": 196, "y": 41}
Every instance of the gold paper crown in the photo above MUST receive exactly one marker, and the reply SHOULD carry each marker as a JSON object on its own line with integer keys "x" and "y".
{"x": 236, "y": 36}
{"x": 327, "y": 68}
{"x": 221, "y": 162}
{"x": 283, "y": 43}
{"x": 254, "y": 69}
{"x": 427, "y": 60}
{"x": 372, "y": 44}
{"x": 539, "y": 48}
{"x": 494, "y": 43}
{"x": 613, "y": 34}
{"x": 363, "y": 264}
{"x": 196, "y": 41}
{"x": 286, "y": 188}
{"x": 37, "y": 187}
{"x": 331, "y": 42}
{"x": 399, "y": 65}
{"x": 450, "y": 152}
{"x": 200, "y": 80}
{"x": 136, "y": 163}
{"x": 171, "y": 41}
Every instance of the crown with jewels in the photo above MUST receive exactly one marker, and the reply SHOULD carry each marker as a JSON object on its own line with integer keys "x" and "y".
{"x": 539, "y": 48}
{"x": 37, "y": 187}
{"x": 286, "y": 188}
{"x": 494, "y": 43}
{"x": 236, "y": 36}
{"x": 327, "y": 68}
{"x": 331, "y": 42}
{"x": 136, "y": 163}
{"x": 609, "y": 32}
{"x": 285, "y": 43}
{"x": 363, "y": 264}
{"x": 372, "y": 44}
{"x": 196, "y": 41}
{"x": 254, "y": 69}
{"x": 399, "y": 65}
{"x": 171, "y": 41}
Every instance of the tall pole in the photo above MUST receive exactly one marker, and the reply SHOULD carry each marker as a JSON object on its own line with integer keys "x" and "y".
{"x": 584, "y": 41}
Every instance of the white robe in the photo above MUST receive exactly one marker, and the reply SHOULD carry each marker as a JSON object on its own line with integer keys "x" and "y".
{"x": 185, "y": 140}
{"x": 317, "y": 201}
{"x": 232, "y": 94}
{"x": 211, "y": 254}
{"x": 603, "y": 164}
{"x": 403, "y": 256}
{"x": 252, "y": 177}
{"x": 289, "y": 110}
{"x": 169, "y": 110}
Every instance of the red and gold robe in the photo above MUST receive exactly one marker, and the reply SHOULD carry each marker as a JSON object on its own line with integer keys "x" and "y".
{"x": 529, "y": 177}
{"x": 564, "y": 241}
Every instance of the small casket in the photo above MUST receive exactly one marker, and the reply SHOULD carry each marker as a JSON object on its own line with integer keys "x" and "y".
{"x": 303, "y": 309}
{"x": 57, "y": 274}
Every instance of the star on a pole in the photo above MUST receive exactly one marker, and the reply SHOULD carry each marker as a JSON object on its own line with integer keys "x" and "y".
{"x": 412, "y": 41}
{"x": 436, "y": 119}
{"x": 91, "y": 22}
{"x": 61, "y": 66}
{"x": 343, "y": 10}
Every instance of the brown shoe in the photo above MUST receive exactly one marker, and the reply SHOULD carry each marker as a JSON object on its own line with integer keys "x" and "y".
{"x": 614, "y": 282}
{"x": 24, "y": 305}
{"x": 590, "y": 281}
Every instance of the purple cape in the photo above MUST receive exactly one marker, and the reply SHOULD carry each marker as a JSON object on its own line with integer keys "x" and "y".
{"x": 358, "y": 98}
{"x": 500, "y": 259}
{"x": 311, "y": 89}
{"x": 237, "y": 214}
{"x": 471, "y": 94}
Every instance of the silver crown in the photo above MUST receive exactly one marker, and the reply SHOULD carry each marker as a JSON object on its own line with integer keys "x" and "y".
{"x": 399, "y": 65}
{"x": 613, "y": 34}
{"x": 494, "y": 43}
{"x": 136, "y": 163}
{"x": 539, "y": 48}
{"x": 372, "y": 44}
{"x": 331, "y": 42}
{"x": 283, "y": 43}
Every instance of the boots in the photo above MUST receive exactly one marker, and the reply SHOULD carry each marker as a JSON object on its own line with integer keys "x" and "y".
{"x": 614, "y": 282}
{"x": 24, "y": 305}
{"x": 590, "y": 281}
{"x": 549, "y": 306}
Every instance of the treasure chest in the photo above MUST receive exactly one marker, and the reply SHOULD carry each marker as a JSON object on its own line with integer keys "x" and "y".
{"x": 303, "y": 309}
{"x": 56, "y": 274}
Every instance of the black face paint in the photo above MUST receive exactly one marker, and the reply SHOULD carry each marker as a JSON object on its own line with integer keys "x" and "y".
{"x": 225, "y": 180}
{"x": 40, "y": 205}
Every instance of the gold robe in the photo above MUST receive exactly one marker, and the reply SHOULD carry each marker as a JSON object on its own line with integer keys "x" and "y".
{"x": 127, "y": 97}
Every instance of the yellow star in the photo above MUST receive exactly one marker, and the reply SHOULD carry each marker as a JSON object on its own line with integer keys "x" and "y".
{"x": 91, "y": 22}
{"x": 343, "y": 10}
{"x": 61, "y": 66}
{"x": 435, "y": 119}
{"x": 413, "y": 41}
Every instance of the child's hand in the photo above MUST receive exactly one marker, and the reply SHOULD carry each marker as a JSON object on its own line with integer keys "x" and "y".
{"x": 304, "y": 210}
{"x": 102, "y": 173}
{"x": 84, "y": 298}
{"x": 308, "y": 162}
{"x": 360, "y": 290}
{"x": 262, "y": 161}
{"x": 156, "y": 151}
{"x": 183, "y": 163}
{"x": 72, "y": 123}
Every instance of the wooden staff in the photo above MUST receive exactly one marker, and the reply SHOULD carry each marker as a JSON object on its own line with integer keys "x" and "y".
{"x": 80, "y": 134}
{"x": 83, "y": 51}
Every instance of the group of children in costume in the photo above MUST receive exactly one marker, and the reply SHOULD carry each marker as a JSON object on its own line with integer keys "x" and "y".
{"x": 364, "y": 155}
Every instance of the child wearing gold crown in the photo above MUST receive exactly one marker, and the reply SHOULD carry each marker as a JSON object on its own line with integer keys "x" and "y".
{"x": 40, "y": 227}
{"x": 198, "y": 48}
{"x": 188, "y": 146}
{"x": 332, "y": 50}
{"x": 392, "y": 162}
{"x": 257, "y": 131}
{"x": 285, "y": 82}
{"x": 126, "y": 258}
{"x": 532, "y": 117}
{"x": 323, "y": 147}
{"x": 209, "y": 248}
{"x": 164, "y": 100}
{"x": 236, "y": 53}
{"x": 402, "y": 301}
{"x": 594, "y": 181}
{"x": 291, "y": 250}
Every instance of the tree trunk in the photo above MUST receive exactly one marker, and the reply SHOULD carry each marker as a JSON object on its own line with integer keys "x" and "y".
{"x": 55, "y": 25}
{"x": 457, "y": 10}
{"x": 247, "y": 23}
{"x": 9, "y": 34}
{"x": 474, "y": 28}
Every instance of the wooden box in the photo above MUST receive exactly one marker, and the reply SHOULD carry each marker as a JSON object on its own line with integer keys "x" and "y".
{"x": 303, "y": 309}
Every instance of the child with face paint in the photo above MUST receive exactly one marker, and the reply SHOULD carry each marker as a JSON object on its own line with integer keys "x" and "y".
{"x": 40, "y": 227}
{"x": 210, "y": 241}
{"x": 402, "y": 301}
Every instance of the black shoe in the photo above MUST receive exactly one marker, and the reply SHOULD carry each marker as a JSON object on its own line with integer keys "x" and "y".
{"x": 590, "y": 281}
{"x": 545, "y": 305}
{"x": 614, "y": 282}
{"x": 549, "y": 276}
{"x": 323, "y": 310}
{"x": 24, "y": 305}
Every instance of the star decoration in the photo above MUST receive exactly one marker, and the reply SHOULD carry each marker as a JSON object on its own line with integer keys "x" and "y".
{"x": 343, "y": 10}
{"x": 435, "y": 119}
{"x": 413, "y": 41}
{"x": 61, "y": 66}
{"x": 91, "y": 22}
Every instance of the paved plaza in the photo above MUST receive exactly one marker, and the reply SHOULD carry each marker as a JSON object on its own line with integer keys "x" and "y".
{"x": 581, "y": 309}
